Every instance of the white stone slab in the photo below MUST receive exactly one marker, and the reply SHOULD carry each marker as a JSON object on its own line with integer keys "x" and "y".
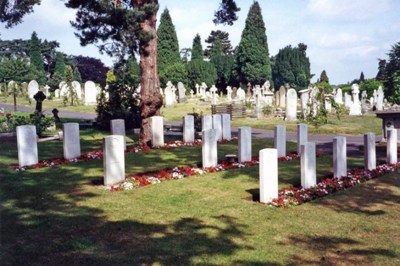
{"x": 209, "y": 148}
{"x": 291, "y": 105}
{"x": 369, "y": 151}
{"x": 113, "y": 160}
{"x": 302, "y": 136}
{"x": 217, "y": 125}
{"x": 27, "y": 145}
{"x": 117, "y": 127}
{"x": 268, "y": 175}
{"x": 206, "y": 122}
{"x": 157, "y": 130}
{"x": 226, "y": 126}
{"x": 391, "y": 149}
{"x": 244, "y": 144}
{"x": 188, "y": 128}
{"x": 90, "y": 93}
{"x": 71, "y": 141}
{"x": 33, "y": 88}
{"x": 308, "y": 165}
{"x": 280, "y": 140}
{"x": 339, "y": 157}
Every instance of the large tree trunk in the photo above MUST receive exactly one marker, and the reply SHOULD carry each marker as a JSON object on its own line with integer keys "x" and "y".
{"x": 151, "y": 99}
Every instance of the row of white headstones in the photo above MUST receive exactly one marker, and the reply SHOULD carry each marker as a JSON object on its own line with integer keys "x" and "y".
{"x": 214, "y": 128}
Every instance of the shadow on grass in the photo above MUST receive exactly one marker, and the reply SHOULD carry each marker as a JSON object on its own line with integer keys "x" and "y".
{"x": 44, "y": 222}
{"x": 330, "y": 250}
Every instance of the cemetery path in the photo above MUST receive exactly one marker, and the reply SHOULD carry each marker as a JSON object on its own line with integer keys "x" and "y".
{"x": 62, "y": 113}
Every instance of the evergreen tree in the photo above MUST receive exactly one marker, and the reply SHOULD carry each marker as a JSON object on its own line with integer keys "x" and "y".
{"x": 199, "y": 71}
{"x": 252, "y": 63}
{"x": 391, "y": 78}
{"x": 223, "y": 65}
{"x": 381, "y": 69}
{"x": 197, "y": 48}
{"x": 128, "y": 72}
{"x": 59, "y": 67}
{"x": 291, "y": 66}
{"x": 168, "y": 46}
{"x": 223, "y": 38}
{"x": 362, "y": 78}
{"x": 324, "y": 77}
{"x": 226, "y": 13}
{"x": 77, "y": 74}
{"x": 36, "y": 58}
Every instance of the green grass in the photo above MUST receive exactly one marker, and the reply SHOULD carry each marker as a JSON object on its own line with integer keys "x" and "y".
{"x": 57, "y": 216}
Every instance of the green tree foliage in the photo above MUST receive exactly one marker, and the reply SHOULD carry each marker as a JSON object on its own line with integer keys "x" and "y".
{"x": 381, "y": 69}
{"x": 18, "y": 70}
{"x": 391, "y": 76}
{"x": 223, "y": 64}
{"x": 168, "y": 46}
{"x": 370, "y": 85}
{"x": 226, "y": 14}
{"x": 197, "y": 48}
{"x": 11, "y": 12}
{"x": 36, "y": 58}
{"x": 200, "y": 71}
{"x": 291, "y": 66}
{"x": 362, "y": 78}
{"x": 186, "y": 54}
{"x": 323, "y": 77}
{"x": 110, "y": 77}
{"x": 174, "y": 73}
{"x": 69, "y": 77}
{"x": 128, "y": 72}
{"x": 59, "y": 71}
{"x": 223, "y": 38}
{"x": 252, "y": 63}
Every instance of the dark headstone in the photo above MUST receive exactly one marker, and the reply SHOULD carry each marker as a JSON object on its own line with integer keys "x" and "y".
{"x": 39, "y": 98}
{"x": 55, "y": 114}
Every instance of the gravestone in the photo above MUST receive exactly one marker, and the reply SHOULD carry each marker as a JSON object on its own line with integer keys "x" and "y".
{"x": 308, "y": 165}
{"x": 181, "y": 92}
{"x": 391, "y": 149}
{"x": 157, "y": 131}
{"x": 46, "y": 90}
{"x": 282, "y": 97}
{"x": 280, "y": 140}
{"x": 241, "y": 94}
{"x": 302, "y": 136}
{"x": 57, "y": 93}
{"x": 206, "y": 122}
{"x": 339, "y": 157}
{"x": 217, "y": 125}
{"x": 55, "y": 115}
{"x": 33, "y": 88}
{"x": 117, "y": 127}
{"x": 226, "y": 127}
{"x": 379, "y": 99}
{"x": 209, "y": 148}
{"x": 369, "y": 151}
{"x": 291, "y": 105}
{"x": 188, "y": 128}
{"x": 77, "y": 88}
{"x": 27, "y": 145}
{"x": 268, "y": 175}
{"x": 244, "y": 144}
{"x": 113, "y": 159}
{"x": 169, "y": 95}
{"x": 39, "y": 98}
{"x": 355, "y": 107}
{"x": 229, "y": 93}
{"x": 71, "y": 141}
{"x": 339, "y": 96}
{"x": 347, "y": 100}
{"x": 90, "y": 93}
{"x": 304, "y": 97}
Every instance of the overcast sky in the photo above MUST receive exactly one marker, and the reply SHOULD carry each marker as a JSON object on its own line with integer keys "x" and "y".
{"x": 344, "y": 37}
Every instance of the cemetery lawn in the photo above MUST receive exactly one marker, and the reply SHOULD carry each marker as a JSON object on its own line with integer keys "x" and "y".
{"x": 62, "y": 215}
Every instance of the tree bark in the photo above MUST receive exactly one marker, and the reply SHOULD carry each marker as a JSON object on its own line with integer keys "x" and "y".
{"x": 151, "y": 99}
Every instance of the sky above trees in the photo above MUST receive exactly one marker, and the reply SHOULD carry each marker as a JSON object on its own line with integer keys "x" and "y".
{"x": 343, "y": 37}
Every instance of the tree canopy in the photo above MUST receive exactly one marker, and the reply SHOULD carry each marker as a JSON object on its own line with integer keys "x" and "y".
{"x": 226, "y": 14}
{"x": 197, "y": 48}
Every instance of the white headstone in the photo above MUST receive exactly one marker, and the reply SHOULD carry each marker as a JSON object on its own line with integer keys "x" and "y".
{"x": 117, "y": 127}
{"x": 355, "y": 108}
{"x": 27, "y": 145}
{"x": 308, "y": 165}
{"x": 90, "y": 93}
{"x": 339, "y": 157}
{"x": 188, "y": 128}
{"x": 46, "y": 90}
{"x": 302, "y": 136}
{"x": 217, "y": 125}
{"x": 304, "y": 97}
{"x": 71, "y": 141}
{"x": 181, "y": 92}
{"x": 369, "y": 151}
{"x": 244, "y": 144}
{"x": 291, "y": 105}
{"x": 33, "y": 88}
{"x": 113, "y": 160}
{"x": 57, "y": 93}
{"x": 206, "y": 122}
{"x": 379, "y": 99}
{"x": 209, "y": 148}
{"x": 157, "y": 130}
{"x": 391, "y": 149}
{"x": 241, "y": 94}
{"x": 280, "y": 140}
{"x": 282, "y": 97}
{"x": 268, "y": 175}
{"x": 226, "y": 126}
{"x": 339, "y": 96}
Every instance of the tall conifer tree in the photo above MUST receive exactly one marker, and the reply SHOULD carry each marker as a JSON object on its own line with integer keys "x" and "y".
{"x": 197, "y": 48}
{"x": 36, "y": 59}
{"x": 252, "y": 62}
